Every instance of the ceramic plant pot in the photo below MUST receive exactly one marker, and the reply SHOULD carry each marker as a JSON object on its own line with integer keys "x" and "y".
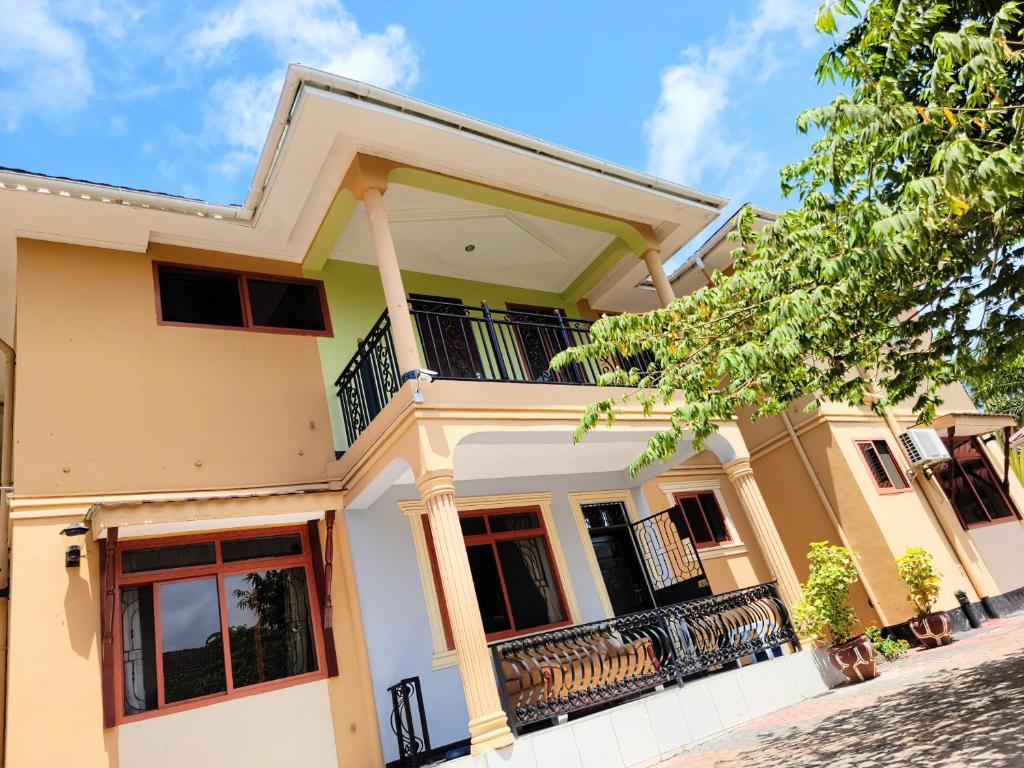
{"x": 855, "y": 659}
{"x": 933, "y": 629}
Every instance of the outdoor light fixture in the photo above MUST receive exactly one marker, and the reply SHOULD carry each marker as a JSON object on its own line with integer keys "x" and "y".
{"x": 423, "y": 376}
{"x": 75, "y": 529}
{"x": 72, "y": 556}
{"x": 470, "y": 248}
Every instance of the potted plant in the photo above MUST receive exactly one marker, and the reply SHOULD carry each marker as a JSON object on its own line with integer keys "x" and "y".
{"x": 824, "y": 611}
{"x": 917, "y": 570}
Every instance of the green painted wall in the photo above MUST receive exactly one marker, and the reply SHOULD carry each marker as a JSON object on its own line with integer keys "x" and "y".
{"x": 355, "y": 299}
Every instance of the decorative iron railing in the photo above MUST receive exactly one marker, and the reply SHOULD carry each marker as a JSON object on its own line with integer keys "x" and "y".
{"x": 413, "y": 749}
{"x": 468, "y": 343}
{"x": 369, "y": 380}
{"x": 577, "y": 668}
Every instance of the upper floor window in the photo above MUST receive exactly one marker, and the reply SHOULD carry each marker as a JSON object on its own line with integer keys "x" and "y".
{"x": 223, "y": 299}
{"x": 973, "y": 488}
{"x": 882, "y": 465}
{"x": 205, "y": 617}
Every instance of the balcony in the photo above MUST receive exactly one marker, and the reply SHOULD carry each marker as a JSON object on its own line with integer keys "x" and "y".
{"x": 466, "y": 343}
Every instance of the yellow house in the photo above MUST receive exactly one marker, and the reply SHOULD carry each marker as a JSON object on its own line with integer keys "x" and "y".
{"x": 285, "y": 478}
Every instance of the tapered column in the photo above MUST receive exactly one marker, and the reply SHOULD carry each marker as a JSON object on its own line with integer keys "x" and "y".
{"x": 391, "y": 279}
{"x": 741, "y": 475}
{"x": 488, "y": 725}
{"x": 652, "y": 258}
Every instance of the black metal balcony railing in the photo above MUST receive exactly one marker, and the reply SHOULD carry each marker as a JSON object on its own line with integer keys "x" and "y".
{"x": 468, "y": 343}
{"x": 581, "y": 667}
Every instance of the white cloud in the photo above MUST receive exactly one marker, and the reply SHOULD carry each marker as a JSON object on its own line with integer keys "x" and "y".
{"x": 687, "y": 135}
{"x": 318, "y": 33}
{"x": 44, "y": 64}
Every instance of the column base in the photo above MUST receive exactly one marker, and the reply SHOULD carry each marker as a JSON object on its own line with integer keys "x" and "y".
{"x": 491, "y": 732}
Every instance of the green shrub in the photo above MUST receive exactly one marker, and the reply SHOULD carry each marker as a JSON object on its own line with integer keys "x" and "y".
{"x": 824, "y": 609}
{"x": 890, "y": 647}
{"x": 917, "y": 569}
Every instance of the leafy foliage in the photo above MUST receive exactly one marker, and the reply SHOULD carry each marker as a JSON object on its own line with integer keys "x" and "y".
{"x": 1001, "y": 390}
{"x": 824, "y": 609}
{"x": 917, "y": 570}
{"x": 901, "y": 269}
{"x": 890, "y": 647}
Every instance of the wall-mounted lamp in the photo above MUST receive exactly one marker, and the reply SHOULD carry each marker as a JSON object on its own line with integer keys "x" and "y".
{"x": 75, "y": 529}
{"x": 73, "y": 556}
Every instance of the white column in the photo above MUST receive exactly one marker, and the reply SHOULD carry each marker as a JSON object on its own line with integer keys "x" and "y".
{"x": 391, "y": 279}
{"x": 741, "y": 474}
{"x": 652, "y": 258}
{"x": 488, "y": 725}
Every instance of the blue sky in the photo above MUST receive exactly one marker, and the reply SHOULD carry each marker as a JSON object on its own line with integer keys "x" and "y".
{"x": 176, "y": 96}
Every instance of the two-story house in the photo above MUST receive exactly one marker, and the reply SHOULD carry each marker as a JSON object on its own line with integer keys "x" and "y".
{"x": 271, "y": 463}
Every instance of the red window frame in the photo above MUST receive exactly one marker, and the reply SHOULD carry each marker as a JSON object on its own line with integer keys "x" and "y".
{"x": 872, "y": 443}
{"x": 219, "y": 569}
{"x": 243, "y": 296}
{"x": 492, "y": 539}
{"x": 956, "y": 464}
{"x": 709, "y": 543}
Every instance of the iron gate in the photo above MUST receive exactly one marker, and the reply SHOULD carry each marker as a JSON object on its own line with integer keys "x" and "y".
{"x": 674, "y": 569}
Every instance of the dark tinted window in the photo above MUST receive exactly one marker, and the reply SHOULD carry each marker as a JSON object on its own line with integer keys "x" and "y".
{"x": 277, "y": 304}
{"x": 473, "y": 526}
{"x": 604, "y": 514}
{"x": 514, "y": 522}
{"x": 158, "y": 559}
{"x": 192, "y": 646}
{"x": 269, "y": 546}
{"x": 200, "y": 296}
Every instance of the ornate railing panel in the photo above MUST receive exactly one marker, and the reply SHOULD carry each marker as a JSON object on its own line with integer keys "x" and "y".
{"x": 467, "y": 343}
{"x": 413, "y": 749}
{"x": 576, "y": 668}
{"x": 369, "y": 380}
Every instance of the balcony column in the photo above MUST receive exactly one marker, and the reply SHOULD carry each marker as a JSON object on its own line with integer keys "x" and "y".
{"x": 391, "y": 279}
{"x": 652, "y": 258}
{"x": 741, "y": 475}
{"x": 488, "y": 725}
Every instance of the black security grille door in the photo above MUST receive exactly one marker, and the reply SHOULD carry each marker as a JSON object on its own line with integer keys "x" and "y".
{"x": 446, "y": 333}
{"x": 673, "y": 564}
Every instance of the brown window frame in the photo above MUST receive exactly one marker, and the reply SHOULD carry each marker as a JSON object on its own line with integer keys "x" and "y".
{"x": 219, "y": 569}
{"x": 679, "y": 496}
{"x": 243, "y": 278}
{"x": 492, "y": 538}
{"x": 956, "y": 465}
{"x": 872, "y": 443}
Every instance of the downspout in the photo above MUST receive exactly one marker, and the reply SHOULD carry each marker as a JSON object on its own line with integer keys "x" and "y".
{"x": 6, "y": 466}
{"x": 832, "y": 516}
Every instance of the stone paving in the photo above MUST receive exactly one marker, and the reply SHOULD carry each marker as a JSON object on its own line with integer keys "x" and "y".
{"x": 962, "y": 705}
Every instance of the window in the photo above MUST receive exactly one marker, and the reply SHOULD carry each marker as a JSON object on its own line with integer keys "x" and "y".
{"x": 206, "y": 618}
{"x": 972, "y": 486}
{"x": 225, "y": 299}
{"x": 704, "y": 519}
{"x": 882, "y": 465}
{"x": 510, "y": 559}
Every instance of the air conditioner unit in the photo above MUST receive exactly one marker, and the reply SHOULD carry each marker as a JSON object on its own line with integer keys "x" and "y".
{"x": 923, "y": 447}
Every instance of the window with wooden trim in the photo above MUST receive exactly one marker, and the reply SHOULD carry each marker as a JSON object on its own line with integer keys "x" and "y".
{"x": 972, "y": 486}
{"x": 204, "y": 618}
{"x": 704, "y": 519}
{"x": 218, "y": 298}
{"x": 517, "y": 585}
{"x": 881, "y": 463}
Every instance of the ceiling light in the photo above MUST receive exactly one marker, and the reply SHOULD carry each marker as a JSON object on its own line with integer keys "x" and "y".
{"x": 470, "y": 248}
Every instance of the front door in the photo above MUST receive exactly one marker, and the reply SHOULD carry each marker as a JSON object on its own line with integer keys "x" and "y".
{"x": 446, "y": 334}
{"x": 671, "y": 559}
{"x": 540, "y": 336}
{"x": 617, "y": 557}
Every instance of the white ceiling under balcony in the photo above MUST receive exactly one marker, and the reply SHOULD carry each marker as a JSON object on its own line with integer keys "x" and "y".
{"x": 442, "y": 235}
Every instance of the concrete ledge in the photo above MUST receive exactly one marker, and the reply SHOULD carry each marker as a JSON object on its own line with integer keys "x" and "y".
{"x": 648, "y": 730}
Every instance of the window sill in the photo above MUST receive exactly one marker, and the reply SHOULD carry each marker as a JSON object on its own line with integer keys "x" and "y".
{"x": 724, "y": 550}
{"x": 443, "y": 660}
{"x": 990, "y": 523}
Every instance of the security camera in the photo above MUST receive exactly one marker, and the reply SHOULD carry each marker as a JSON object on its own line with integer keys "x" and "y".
{"x": 75, "y": 529}
{"x": 425, "y": 375}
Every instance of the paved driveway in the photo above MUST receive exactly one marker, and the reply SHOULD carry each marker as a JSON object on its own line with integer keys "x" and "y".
{"x": 962, "y": 705}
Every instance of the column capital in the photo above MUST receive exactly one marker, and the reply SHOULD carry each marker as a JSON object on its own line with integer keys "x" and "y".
{"x": 436, "y": 483}
{"x": 737, "y": 468}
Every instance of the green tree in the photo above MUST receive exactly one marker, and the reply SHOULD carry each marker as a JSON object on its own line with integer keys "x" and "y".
{"x": 900, "y": 269}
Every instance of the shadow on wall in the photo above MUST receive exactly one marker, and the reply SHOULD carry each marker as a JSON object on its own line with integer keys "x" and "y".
{"x": 970, "y": 719}
{"x": 81, "y": 601}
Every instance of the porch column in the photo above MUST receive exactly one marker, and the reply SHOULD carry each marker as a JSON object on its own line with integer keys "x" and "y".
{"x": 391, "y": 279}
{"x": 741, "y": 475}
{"x": 488, "y": 725}
{"x": 652, "y": 258}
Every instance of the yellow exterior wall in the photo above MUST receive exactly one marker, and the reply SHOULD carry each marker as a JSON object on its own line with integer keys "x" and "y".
{"x": 54, "y": 710}
{"x": 108, "y": 400}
